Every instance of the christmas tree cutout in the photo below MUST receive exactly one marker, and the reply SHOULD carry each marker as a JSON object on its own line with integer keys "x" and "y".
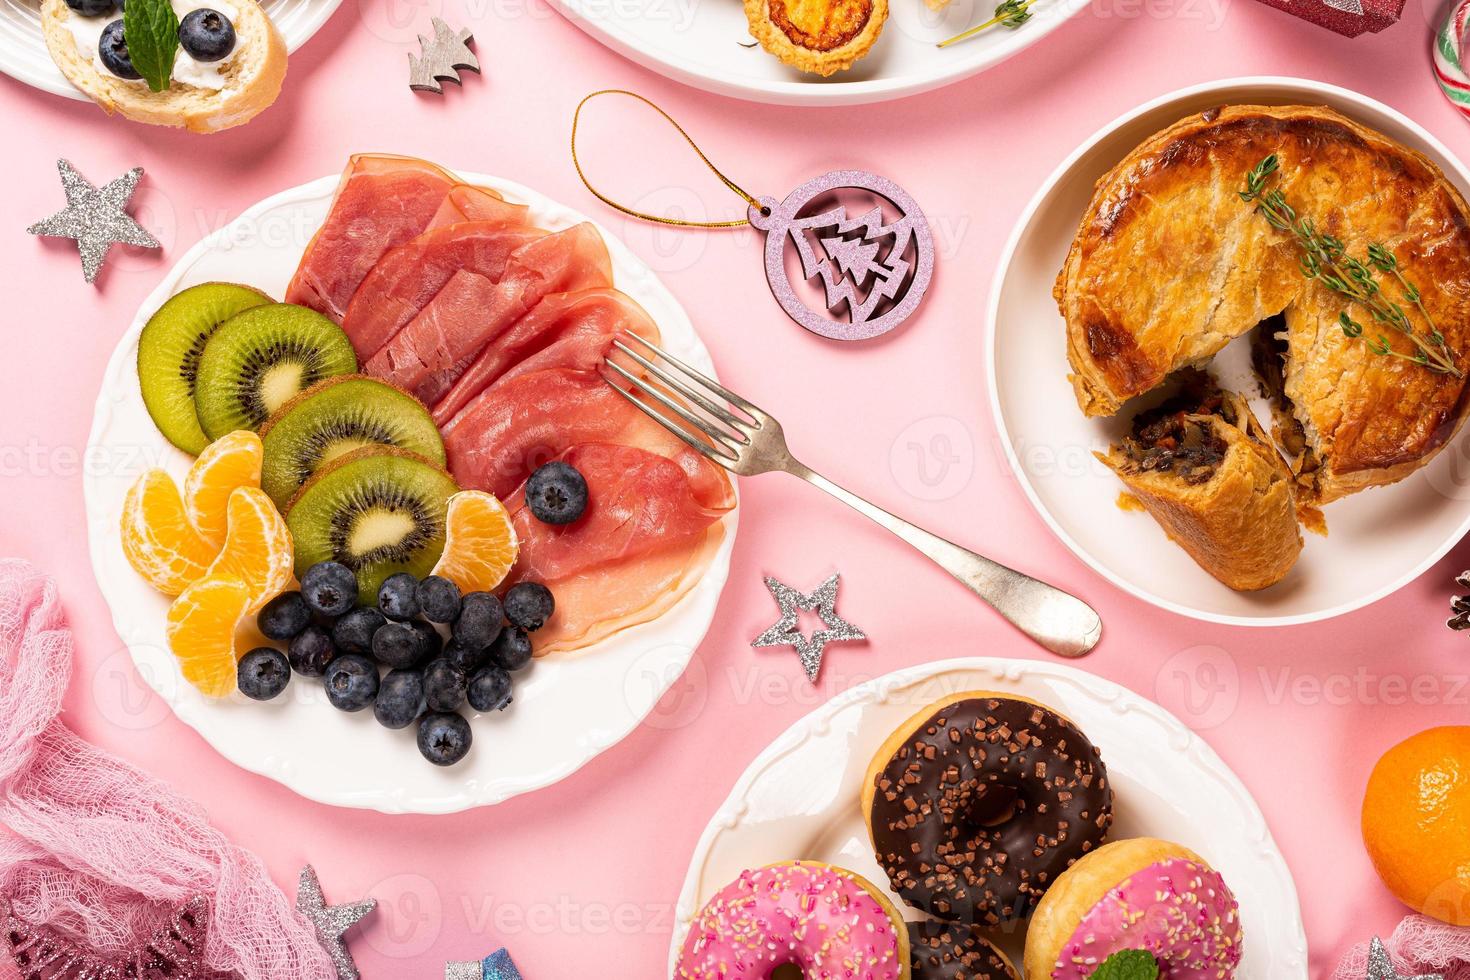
{"x": 444, "y": 57}
{"x": 853, "y": 258}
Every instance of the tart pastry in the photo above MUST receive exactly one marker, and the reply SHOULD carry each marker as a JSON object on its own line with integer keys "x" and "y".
{"x": 1205, "y": 469}
{"x": 1169, "y": 265}
{"x": 819, "y": 36}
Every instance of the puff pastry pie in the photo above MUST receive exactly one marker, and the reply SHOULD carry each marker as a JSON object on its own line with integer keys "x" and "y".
{"x": 1205, "y": 469}
{"x": 819, "y": 36}
{"x": 1169, "y": 265}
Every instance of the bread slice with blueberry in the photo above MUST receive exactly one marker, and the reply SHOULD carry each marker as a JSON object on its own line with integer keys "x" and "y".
{"x": 229, "y": 61}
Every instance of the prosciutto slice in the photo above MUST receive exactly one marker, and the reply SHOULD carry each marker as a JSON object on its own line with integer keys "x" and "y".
{"x": 470, "y": 202}
{"x": 408, "y": 277}
{"x": 572, "y": 330}
{"x": 433, "y": 349}
{"x": 381, "y": 201}
{"x": 648, "y": 532}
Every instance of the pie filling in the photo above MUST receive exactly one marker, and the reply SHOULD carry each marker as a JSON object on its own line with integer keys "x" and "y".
{"x": 1172, "y": 438}
{"x": 821, "y": 25}
{"x": 1268, "y": 357}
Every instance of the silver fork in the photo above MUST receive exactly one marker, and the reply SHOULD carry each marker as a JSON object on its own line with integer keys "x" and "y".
{"x": 755, "y": 444}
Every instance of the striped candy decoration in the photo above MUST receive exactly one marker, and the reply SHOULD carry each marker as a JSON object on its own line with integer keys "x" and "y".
{"x": 1449, "y": 46}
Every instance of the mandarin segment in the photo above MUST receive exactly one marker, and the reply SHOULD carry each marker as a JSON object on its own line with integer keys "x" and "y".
{"x": 201, "y": 632}
{"x": 228, "y": 463}
{"x": 480, "y": 546}
{"x": 157, "y": 538}
{"x": 257, "y": 548}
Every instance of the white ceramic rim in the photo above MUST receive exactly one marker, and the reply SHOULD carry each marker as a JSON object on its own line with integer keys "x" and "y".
{"x": 1121, "y": 698}
{"x": 690, "y": 71}
{"x": 702, "y": 600}
{"x": 42, "y": 73}
{"x": 1280, "y": 83}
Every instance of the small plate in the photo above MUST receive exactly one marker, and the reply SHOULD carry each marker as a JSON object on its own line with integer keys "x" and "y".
{"x": 567, "y": 709}
{"x": 23, "y": 54}
{"x": 707, "y": 44}
{"x": 1381, "y": 540}
{"x": 801, "y": 797}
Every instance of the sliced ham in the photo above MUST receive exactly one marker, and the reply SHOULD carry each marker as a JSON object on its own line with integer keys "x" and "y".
{"x": 433, "y": 349}
{"x": 572, "y": 330}
{"x": 381, "y": 201}
{"x": 469, "y": 202}
{"x": 408, "y": 277}
{"x": 641, "y": 543}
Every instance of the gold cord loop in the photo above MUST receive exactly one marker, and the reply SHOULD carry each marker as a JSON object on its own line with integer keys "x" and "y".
{"x": 576, "y": 118}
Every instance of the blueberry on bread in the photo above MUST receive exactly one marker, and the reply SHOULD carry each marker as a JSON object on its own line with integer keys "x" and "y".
{"x": 228, "y": 61}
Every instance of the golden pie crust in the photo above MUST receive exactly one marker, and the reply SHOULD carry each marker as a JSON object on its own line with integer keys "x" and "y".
{"x": 818, "y": 36}
{"x": 1169, "y": 265}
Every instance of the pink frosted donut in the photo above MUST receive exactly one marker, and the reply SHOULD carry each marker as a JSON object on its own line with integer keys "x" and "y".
{"x": 1137, "y": 894}
{"x": 828, "y": 923}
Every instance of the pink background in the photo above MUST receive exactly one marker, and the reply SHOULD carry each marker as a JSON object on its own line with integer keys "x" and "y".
{"x": 580, "y": 879}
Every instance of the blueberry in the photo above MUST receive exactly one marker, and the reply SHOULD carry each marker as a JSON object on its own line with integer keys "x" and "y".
{"x": 353, "y": 632}
{"x": 329, "y": 588}
{"x": 398, "y": 596}
{"x": 467, "y": 659}
{"x": 311, "y": 651}
{"x": 206, "y": 35}
{"x": 480, "y": 620}
{"x": 284, "y": 616}
{"x": 92, "y": 8}
{"x": 439, "y": 600}
{"x": 529, "y": 605}
{"x": 263, "y": 673}
{"x": 512, "y": 650}
{"x": 556, "y": 493}
{"x": 399, "y": 645}
{"x": 400, "y": 699}
{"x": 113, "y": 50}
{"x": 432, "y": 644}
{"x": 351, "y": 682}
{"x": 444, "y": 738}
{"x": 490, "y": 689}
{"x": 444, "y": 686}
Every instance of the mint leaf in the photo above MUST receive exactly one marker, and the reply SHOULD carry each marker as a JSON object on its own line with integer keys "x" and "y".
{"x": 1126, "y": 964}
{"x": 151, "y": 30}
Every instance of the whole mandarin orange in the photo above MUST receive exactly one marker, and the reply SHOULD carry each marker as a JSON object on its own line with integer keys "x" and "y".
{"x": 1416, "y": 822}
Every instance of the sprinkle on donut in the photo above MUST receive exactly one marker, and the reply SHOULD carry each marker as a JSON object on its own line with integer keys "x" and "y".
{"x": 983, "y": 804}
{"x": 948, "y": 951}
{"x": 829, "y": 923}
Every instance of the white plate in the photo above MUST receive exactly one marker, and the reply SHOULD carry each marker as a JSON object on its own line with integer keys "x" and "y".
{"x": 23, "y": 54}
{"x": 700, "y": 43}
{"x": 1381, "y": 540}
{"x": 567, "y": 709}
{"x": 801, "y": 797}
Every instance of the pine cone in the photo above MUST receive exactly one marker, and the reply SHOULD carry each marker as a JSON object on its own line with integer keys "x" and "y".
{"x": 1460, "y": 605}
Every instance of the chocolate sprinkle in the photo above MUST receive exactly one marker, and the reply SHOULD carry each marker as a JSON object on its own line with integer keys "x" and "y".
{"x": 973, "y": 835}
{"x": 943, "y": 951}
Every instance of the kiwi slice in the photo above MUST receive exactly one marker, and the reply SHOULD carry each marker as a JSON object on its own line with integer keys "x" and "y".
{"x": 335, "y": 417}
{"x": 260, "y": 359}
{"x": 168, "y": 355}
{"x": 378, "y": 510}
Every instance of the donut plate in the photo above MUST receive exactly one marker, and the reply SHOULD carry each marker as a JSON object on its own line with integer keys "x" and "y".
{"x": 801, "y": 797}
{"x": 568, "y": 709}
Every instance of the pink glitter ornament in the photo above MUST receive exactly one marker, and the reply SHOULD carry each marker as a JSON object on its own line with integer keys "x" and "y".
{"x": 175, "y": 952}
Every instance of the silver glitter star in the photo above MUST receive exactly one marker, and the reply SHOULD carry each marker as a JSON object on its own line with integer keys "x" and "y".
{"x": 444, "y": 57}
{"x": 1380, "y": 967}
{"x": 97, "y": 219}
{"x": 331, "y": 921}
{"x": 808, "y": 648}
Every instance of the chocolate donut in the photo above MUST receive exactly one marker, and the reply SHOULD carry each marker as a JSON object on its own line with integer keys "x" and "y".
{"x": 979, "y": 802}
{"x": 947, "y": 951}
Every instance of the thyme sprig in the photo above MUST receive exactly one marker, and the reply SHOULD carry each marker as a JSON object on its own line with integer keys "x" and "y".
{"x": 1011, "y": 13}
{"x": 1325, "y": 259}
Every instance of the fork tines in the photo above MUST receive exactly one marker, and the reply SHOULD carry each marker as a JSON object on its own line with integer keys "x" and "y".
{"x": 689, "y": 396}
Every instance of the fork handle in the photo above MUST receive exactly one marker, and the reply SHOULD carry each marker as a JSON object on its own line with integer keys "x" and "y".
{"x": 1057, "y": 620}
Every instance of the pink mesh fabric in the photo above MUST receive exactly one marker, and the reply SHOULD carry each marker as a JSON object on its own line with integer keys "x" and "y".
{"x": 1419, "y": 945}
{"x": 100, "y": 850}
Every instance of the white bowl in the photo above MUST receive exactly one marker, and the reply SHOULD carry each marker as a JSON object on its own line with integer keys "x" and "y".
{"x": 1380, "y": 540}
{"x": 704, "y": 43}
{"x": 801, "y": 797}
{"x": 23, "y": 54}
{"x": 567, "y": 709}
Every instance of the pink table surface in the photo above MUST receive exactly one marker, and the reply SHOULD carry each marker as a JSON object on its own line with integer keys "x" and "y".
{"x": 580, "y": 879}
